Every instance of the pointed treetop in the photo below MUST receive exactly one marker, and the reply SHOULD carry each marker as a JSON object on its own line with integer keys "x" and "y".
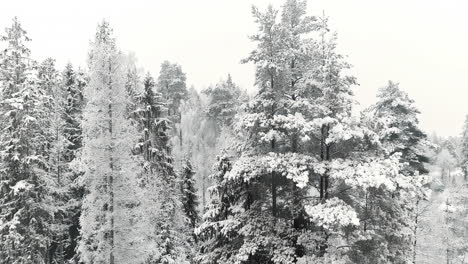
{"x": 104, "y": 33}
{"x": 229, "y": 79}
{"x": 15, "y": 34}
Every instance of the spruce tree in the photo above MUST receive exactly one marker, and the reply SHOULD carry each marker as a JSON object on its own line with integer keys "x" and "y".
{"x": 215, "y": 231}
{"x": 168, "y": 230}
{"x": 58, "y": 176}
{"x": 72, "y": 85}
{"x": 24, "y": 220}
{"x": 189, "y": 194}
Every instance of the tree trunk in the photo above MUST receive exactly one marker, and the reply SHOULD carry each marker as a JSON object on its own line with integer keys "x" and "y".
{"x": 180, "y": 136}
{"x": 273, "y": 186}
{"x": 273, "y": 180}
{"x": 111, "y": 179}
{"x": 326, "y": 183}
{"x": 322, "y": 157}
{"x": 415, "y": 231}
{"x": 203, "y": 192}
{"x": 58, "y": 159}
{"x": 324, "y": 180}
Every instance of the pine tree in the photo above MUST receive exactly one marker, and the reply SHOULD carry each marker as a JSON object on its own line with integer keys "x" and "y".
{"x": 224, "y": 103}
{"x": 262, "y": 179}
{"x": 398, "y": 126}
{"x": 171, "y": 84}
{"x": 301, "y": 178}
{"x": 113, "y": 227}
{"x": 395, "y": 121}
{"x": 24, "y": 229}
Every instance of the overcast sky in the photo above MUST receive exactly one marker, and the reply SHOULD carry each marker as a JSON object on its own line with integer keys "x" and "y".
{"x": 422, "y": 44}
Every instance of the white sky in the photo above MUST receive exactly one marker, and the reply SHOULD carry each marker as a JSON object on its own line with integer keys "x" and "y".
{"x": 423, "y": 44}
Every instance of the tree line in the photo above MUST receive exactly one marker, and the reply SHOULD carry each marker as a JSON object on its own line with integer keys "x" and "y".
{"x": 110, "y": 165}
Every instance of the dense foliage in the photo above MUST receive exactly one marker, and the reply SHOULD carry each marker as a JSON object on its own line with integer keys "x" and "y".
{"x": 107, "y": 165}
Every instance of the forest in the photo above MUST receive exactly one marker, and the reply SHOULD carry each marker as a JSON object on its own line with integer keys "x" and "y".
{"x": 114, "y": 164}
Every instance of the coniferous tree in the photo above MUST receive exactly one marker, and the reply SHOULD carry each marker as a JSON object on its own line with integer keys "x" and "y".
{"x": 171, "y": 84}
{"x": 302, "y": 148}
{"x": 73, "y": 82}
{"x": 224, "y": 101}
{"x": 168, "y": 228}
{"x": 198, "y": 142}
{"x": 395, "y": 121}
{"x": 189, "y": 194}
{"x": 464, "y": 152}
{"x": 58, "y": 177}
{"x": 456, "y": 216}
{"x": 72, "y": 85}
{"x": 105, "y": 167}
{"x": 398, "y": 126}
{"x": 113, "y": 226}
{"x": 268, "y": 168}
{"x": 216, "y": 245}
{"x": 24, "y": 220}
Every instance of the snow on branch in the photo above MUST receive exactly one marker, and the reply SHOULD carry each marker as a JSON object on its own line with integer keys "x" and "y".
{"x": 333, "y": 214}
{"x": 291, "y": 165}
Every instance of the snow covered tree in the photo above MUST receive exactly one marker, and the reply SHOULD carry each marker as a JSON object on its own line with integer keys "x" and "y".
{"x": 446, "y": 161}
{"x": 248, "y": 220}
{"x": 306, "y": 167}
{"x": 394, "y": 119}
{"x": 198, "y": 142}
{"x": 168, "y": 231}
{"x": 215, "y": 230}
{"x": 224, "y": 102}
{"x": 190, "y": 125}
{"x": 171, "y": 84}
{"x": 133, "y": 84}
{"x": 57, "y": 178}
{"x": 113, "y": 226}
{"x": 458, "y": 218}
{"x": 398, "y": 126}
{"x": 72, "y": 85}
{"x": 464, "y": 146}
{"x": 24, "y": 220}
{"x": 189, "y": 194}
{"x": 154, "y": 124}
{"x": 452, "y": 144}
